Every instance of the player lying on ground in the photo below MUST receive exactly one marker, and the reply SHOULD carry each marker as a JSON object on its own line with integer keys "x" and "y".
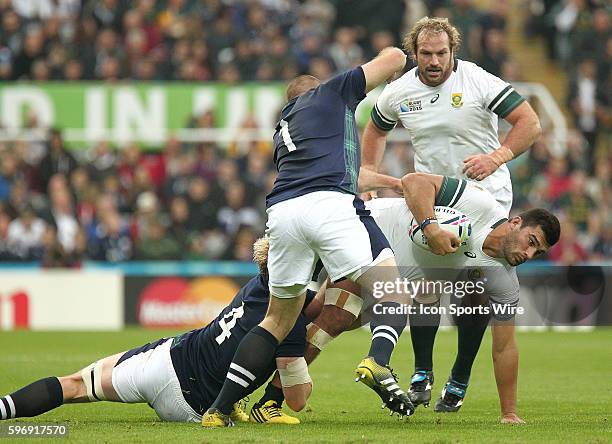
{"x": 496, "y": 247}
{"x": 180, "y": 377}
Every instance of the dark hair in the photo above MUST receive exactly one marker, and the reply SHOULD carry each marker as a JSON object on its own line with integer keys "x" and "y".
{"x": 300, "y": 85}
{"x": 539, "y": 217}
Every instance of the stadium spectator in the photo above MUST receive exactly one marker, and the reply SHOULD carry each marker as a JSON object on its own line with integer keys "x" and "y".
{"x": 60, "y": 215}
{"x": 344, "y": 51}
{"x": 583, "y": 104}
{"x": 25, "y": 234}
{"x": 157, "y": 244}
{"x": 236, "y": 212}
{"x": 465, "y": 17}
{"x": 57, "y": 160}
{"x": 240, "y": 40}
{"x": 569, "y": 250}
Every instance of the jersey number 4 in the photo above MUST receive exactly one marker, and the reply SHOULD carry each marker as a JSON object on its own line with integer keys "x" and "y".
{"x": 228, "y": 322}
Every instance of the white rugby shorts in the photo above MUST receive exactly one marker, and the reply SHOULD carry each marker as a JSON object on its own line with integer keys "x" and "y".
{"x": 327, "y": 225}
{"x": 146, "y": 374}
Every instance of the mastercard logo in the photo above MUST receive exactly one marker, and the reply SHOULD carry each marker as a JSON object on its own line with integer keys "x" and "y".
{"x": 174, "y": 302}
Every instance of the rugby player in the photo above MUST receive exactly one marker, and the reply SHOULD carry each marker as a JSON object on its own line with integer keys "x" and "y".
{"x": 451, "y": 109}
{"x": 496, "y": 246}
{"x": 180, "y": 377}
{"x": 314, "y": 213}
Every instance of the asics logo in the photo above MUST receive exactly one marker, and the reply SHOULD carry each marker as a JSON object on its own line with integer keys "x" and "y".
{"x": 434, "y": 98}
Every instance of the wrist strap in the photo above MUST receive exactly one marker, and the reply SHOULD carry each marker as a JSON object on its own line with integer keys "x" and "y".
{"x": 427, "y": 221}
{"x": 502, "y": 155}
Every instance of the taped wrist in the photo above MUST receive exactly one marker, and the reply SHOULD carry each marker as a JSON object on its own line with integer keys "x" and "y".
{"x": 502, "y": 155}
{"x": 295, "y": 373}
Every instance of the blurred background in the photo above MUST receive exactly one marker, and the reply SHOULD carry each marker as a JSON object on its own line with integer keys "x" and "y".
{"x": 135, "y": 144}
{"x": 140, "y": 130}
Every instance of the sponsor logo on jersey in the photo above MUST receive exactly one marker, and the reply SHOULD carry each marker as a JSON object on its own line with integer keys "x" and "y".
{"x": 470, "y": 254}
{"x": 435, "y": 98}
{"x": 457, "y": 100}
{"x": 410, "y": 105}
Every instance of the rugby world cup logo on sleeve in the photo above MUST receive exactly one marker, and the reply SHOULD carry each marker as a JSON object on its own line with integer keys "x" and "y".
{"x": 410, "y": 105}
{"x": 457, "y": 100}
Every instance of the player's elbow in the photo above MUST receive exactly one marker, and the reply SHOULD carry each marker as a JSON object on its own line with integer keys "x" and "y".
{"x": 537, "y": 128}
{"x": 396, "y": 58}
{"x": 531, "y": 121}
{"x": 411, "y": 179}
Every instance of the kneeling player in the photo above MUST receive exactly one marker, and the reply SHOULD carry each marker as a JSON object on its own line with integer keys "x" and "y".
{"x": 180, "y": 377}
{"x": 496, "y": 247}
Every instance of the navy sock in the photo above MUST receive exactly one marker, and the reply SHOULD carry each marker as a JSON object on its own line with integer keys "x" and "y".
{"x": 386, "y": 328}
{"x": 250, "y": 367}
{"x": 272, "y": 393}
{"x": 470, "y": 331}
{"x": 32, "y": 400}
{"x": 423, "y": 330}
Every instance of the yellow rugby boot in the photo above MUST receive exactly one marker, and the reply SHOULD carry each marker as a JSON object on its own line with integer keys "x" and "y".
{"x": 238, "y": 412}
{"x": 383, "y": 381}
{"x": 213, "y": 418}
{"x": 271, "y": 413}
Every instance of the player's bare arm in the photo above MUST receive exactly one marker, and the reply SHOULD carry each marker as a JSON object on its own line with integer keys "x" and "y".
{"x": 525, "y": 131}
{"x": 373, "y": 144}
{"x": 370, "y": 180}
{"x": 420, "y": 191}
{"x": 383, "y": 66}
{"x": 505, "y": 363}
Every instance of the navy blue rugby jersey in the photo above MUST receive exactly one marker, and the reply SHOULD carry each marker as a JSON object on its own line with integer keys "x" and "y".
{"x": 316, "y": 143}
{"x": 201, "y": 358}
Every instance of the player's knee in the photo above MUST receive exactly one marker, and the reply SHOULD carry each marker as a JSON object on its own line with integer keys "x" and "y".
{"x": 296, "y": 403}
{"x": 73, "y": 387}
{"x": 334, "y": 320}
{"x": 340, "y": 310}
{"x": 296, "y": 383}
{"x": 91, "y": 378}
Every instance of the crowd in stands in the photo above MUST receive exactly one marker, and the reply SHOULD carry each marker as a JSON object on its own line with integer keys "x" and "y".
{"x": 206, "y": 200}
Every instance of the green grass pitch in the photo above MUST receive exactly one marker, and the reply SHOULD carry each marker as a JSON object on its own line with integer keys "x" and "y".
{"x": 565, "y": 393}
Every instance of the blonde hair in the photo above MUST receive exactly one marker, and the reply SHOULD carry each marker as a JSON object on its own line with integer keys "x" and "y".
{"x": 300, "y": 85}
{"x": 260, "y": 255}
{"x": 432, "y": 25}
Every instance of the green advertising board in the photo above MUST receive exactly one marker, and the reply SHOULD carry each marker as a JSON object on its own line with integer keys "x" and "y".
{"x": 141, "y": 112}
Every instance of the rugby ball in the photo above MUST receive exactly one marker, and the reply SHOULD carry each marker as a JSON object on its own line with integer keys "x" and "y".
{"x": 449, "y": 219}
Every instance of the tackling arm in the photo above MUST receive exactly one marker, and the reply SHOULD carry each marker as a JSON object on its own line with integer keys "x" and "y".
{"x": 505, "y": 363}
{"x": 370, "y": 180}
{"x": 383, "y": 67}
{"x": 372, "y": 146}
